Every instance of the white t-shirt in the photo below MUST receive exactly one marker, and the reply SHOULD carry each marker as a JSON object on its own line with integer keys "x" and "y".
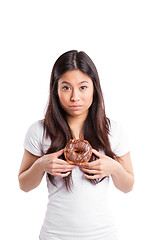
{"x": 82, "y": 214}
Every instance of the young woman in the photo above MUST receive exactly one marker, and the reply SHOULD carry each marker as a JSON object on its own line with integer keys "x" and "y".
{"x": 78, "y": 195}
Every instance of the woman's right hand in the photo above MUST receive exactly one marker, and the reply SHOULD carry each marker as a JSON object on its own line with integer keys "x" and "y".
{"x": 51, "y": 164}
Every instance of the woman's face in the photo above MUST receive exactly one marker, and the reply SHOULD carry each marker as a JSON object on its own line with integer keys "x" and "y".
{"x": 75, "y": 92}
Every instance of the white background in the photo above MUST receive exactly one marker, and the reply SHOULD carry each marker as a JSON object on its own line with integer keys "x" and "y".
{"x": 123, "y": 40}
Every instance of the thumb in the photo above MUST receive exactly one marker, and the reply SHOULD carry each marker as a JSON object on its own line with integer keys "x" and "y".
{"x": 98, "y": 154}
{"x": 59, "y": 153}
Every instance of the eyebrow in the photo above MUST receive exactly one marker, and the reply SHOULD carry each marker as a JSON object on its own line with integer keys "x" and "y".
{"x": 65, "y": 82}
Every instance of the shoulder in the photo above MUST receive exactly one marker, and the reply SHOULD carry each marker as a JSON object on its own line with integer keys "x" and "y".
{"x": 34, "y": 136}
{"x": 37, "y": 126}
{"x": 115, "y": 127}
{"x": 118, "y": 138}
{"x": 36, "y": 130}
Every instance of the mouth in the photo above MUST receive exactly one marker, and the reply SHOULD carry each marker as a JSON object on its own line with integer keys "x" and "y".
{"x": 76, "y": 107}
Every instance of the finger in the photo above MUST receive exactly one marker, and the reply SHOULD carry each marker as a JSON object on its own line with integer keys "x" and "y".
{"x": 63, "y": 169}
{"x": 56, "y": 154}
{"x": 62, "y": 174}
{"x": 60, "y": 152}
{"x": 90, "y": 171}
{"x": 91, "y": 164}
{"x": 91, "y": 177}
{"x": 98, "y": 154}
{"x": 61, "y": 162}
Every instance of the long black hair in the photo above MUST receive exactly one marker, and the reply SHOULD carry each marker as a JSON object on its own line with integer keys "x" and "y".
{"x": 96, "y": 126}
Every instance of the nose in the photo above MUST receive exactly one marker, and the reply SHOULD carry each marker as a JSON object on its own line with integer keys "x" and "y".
{"x": 75, "y": 96}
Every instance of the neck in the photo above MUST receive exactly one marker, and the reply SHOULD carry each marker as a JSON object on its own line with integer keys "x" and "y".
{"x": 76, "y": 125}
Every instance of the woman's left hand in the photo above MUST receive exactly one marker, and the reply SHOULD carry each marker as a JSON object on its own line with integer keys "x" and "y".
{"x": 100, "y": 168}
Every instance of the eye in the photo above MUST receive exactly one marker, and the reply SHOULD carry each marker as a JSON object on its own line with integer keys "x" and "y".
{"x": 66, "y": 88}
{"x": 83, "y": 87}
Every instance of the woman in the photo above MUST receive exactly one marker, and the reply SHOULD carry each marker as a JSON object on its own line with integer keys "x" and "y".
{"x": 78, "y": 207}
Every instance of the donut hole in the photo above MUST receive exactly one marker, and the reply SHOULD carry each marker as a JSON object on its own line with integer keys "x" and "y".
{"x": 77, "y": 151}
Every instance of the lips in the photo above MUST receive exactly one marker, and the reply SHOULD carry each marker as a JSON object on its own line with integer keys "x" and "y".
{"x": 76, "y": 107}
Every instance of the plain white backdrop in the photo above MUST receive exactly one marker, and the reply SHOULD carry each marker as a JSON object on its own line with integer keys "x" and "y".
{"x": 122, "y": 38}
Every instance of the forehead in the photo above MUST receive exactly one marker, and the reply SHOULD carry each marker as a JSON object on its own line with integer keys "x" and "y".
{"x": 74, "y": 77}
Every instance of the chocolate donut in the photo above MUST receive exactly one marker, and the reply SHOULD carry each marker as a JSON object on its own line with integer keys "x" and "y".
{"x": 77, "y": 151}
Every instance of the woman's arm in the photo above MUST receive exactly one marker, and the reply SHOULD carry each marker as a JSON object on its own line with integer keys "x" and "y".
{"x": 30, "y": 173}
{"x": 121, "y": 172}
{"x": 123, "y": 176}
{"x": 33, "y": 168}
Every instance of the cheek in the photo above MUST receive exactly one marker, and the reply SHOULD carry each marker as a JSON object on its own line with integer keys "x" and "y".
{"x": 62, "y": 99}
{"x": 90, "y": 97}
{"x": 91, "y": 100}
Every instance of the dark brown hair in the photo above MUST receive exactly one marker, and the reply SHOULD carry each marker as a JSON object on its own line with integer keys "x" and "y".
{"x": 96, "y": 126}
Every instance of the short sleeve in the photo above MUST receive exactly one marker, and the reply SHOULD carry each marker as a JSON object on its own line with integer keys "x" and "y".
{"x": 33, "y": 138}
{"x": 119, "y": 139}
